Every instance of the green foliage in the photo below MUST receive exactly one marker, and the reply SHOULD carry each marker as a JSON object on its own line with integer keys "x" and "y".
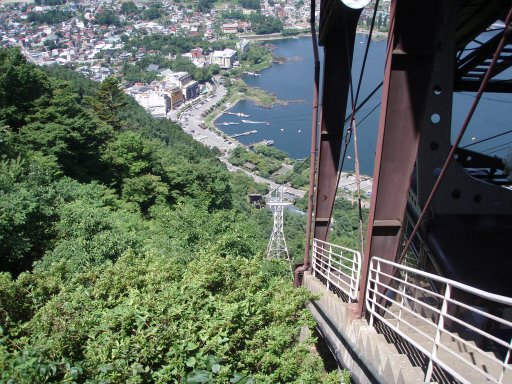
{"x": 145, "y": 191}
{"x": 205, "y": 5}
{"x": 154, "y": 319}
{"x": 232, "y": 15}
{"x": 134, "y": 74}
{"x": 64, "y": 131}
{"x": 154, "y": 11}
{"x": 266, "y": 166}
{"x": 263, "y": 25}
{"x": 30, "y": 83}
{"x": 108, "y": 102}
{"x": 126, "y": 256}
{"x": 129, "y": 8}
{"x": 28, "y": 202}
{"x": 53, "y": 16}
{"x": 292, "y": 32}
{"x": 295, "y": 228}
{"x": 106, "y": 17}
{"x": 346, "y": 230}
{"x": 298, "y": 177}
{"x": 256, "y": 54}
{"x": 268, "y": 151}
{"x": 251, "y": 4}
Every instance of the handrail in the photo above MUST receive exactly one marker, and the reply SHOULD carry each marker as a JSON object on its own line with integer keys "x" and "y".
{"x": 479, "y": 292}
{"x": 339, "y": 266}
{"x": 440, "y": 332}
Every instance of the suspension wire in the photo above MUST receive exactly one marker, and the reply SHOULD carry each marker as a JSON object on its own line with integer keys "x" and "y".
{"x": 352, "y": 126}
{"x": 354, "y": 102}
{"x": 312, "y": 158}
{"x": 366, "y": 53}
{"x": 487, "y": 139}
{"x": 358, "y": 184}
{"x": 455, "y": 145}
{"x": 488, "y": 98}
{"x": 497, "y": 148}
{"x": 366, "y": 100}
{"x": 349, "y": 64}
{"x": 347, "y": 119}
{"x": 357, "y": 109}
{"x": 369, "y": 113}
{"x": 354, "y": 109}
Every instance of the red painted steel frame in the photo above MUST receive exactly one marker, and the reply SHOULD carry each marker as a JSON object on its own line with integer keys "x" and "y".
{"x": 339, "y": 47}
{"x": 409, "y": 63}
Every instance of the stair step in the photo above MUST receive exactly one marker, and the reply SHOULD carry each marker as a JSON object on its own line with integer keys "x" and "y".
{"x": 356, "y": 325}
{"x": 393, "y": 367}
{"x": 469, "y": 354}
{"x": 382, "y": 351}
{"x": 410, "y": 375}
{"x": 361, "y": 331}
{"x": 507, "y": 377}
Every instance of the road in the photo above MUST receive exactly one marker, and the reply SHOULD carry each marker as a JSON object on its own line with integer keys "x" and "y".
{"x": 191, "y": 119}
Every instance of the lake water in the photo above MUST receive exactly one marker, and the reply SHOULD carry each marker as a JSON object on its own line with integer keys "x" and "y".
{"x": 290, "y": 126}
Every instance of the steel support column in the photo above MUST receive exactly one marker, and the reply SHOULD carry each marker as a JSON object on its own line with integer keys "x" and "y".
{"x": 337, "y": 33}
{"x": 413, "y": 41}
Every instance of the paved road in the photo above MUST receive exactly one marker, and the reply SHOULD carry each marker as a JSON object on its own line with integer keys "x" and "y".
{"x": 191, "y": 119}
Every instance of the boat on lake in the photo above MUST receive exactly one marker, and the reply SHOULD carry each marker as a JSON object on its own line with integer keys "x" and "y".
{"x": 255, "y": 122}
{"x": 239, "y": 114}
{"x": 229, "y": 123}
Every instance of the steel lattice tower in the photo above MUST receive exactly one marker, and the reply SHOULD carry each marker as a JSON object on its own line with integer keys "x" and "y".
{"x": 277, "y": 248}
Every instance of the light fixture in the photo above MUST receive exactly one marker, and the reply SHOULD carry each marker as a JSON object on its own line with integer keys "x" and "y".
{"x": 356, "y": 4}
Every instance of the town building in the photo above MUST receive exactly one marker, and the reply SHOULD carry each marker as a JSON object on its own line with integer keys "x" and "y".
{"x": 224, "y": 59}
{"x": 174, "y": 98}
{"x": 230, "y": 28}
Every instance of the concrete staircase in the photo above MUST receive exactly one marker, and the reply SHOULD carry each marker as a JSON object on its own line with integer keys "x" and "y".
{"x": 458, "y": 355}
{"x": 378, "y": 354}
{"x": 356, "y": 345}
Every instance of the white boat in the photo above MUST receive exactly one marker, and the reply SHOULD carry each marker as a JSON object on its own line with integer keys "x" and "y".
{"x": 255, "y": 122}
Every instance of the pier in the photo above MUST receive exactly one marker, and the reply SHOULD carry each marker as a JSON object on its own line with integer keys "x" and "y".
{"x": 244, "y": 133}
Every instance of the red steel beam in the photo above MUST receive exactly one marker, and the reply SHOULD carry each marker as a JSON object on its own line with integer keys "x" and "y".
{"x": 413, "y": 41}
{"x": 338, "y": 30}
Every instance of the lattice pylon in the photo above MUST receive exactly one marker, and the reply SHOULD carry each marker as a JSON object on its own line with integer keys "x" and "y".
{"x": 277, "y": 248}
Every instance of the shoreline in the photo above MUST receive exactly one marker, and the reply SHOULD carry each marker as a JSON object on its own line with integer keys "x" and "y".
{"x": 347, "y": 177}
{"x": 376, "y": 36}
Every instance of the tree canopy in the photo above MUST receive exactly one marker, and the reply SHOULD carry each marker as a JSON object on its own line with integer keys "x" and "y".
{"x": 251, "y": 4}
{"x": 106, "y": 17}
{"x": 129, "y": 8}
{"x": 262, "y": 25}
{"x": 128, "y": 252}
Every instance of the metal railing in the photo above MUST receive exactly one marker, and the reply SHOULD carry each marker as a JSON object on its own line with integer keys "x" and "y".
{"x": 465, "y": 340}
{"x": 339, "y": 266}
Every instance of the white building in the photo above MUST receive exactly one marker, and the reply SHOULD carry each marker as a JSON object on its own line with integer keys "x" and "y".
{"x": 224, "y": 59}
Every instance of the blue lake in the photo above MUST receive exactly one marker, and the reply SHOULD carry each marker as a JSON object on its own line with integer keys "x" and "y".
{"x": 290, "y": 125}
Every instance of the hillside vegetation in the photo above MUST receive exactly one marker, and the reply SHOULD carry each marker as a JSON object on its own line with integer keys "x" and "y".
{"x": 128, "y": 254}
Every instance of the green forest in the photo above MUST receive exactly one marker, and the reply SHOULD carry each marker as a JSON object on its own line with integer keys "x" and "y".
{"x": 128, "y": 253}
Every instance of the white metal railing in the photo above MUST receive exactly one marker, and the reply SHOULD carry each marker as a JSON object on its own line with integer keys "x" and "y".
{"x": 340, "y": 266}
{"x": 445, "y": 332}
